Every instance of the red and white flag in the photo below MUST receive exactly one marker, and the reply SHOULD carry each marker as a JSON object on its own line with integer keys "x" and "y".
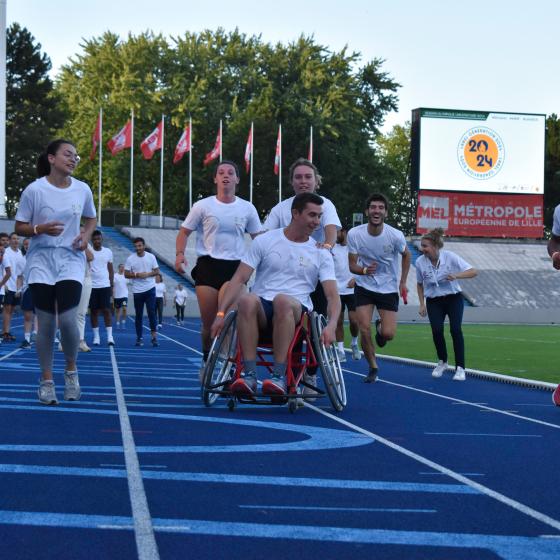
{"x": 95, "y": 138}
{"x": 249, "y": 150}
{"x": 184, "y": 145}
{"x": 278, "y": 154}
{"x": 215, "y": 153}
{"x": 121, "y": 140}
{"x": 152, "y": 142}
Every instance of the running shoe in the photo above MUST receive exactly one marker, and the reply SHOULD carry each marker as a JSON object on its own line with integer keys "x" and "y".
{"x": 155, "y": 343}
{"x": 60, "y": 349}
{"x": 556, "y": 396}
{"x": 83, "y": 347}
{"x": 310, "y": 392}
{"x": 46, "y": 392}
{"x": 25, "y": 344}
{"x": 139, "y": 342}
{"x": 440, "y": 369}
{"x": 372, "y": 375}
{"x": 246, "y": 385}
{"x": 459, "y": 374}
{"x": 110, "y": 341}
{"x": 341, "y": 355}
{"x": 274, "y": 386}
{"x": 8, "y": 337}
{"x": 96, "y": 341}
{"x": 356, "y": 354}
{"x": 72, "y": 391}
{"x": 378, "y": 338}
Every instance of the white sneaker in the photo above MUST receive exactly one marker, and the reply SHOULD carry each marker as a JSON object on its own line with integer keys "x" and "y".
{"x": 72, "y": 391}
{"x": 459, "y": 374}
{"x": 356, "y": 354}
{"x": 440, "y": 369}
{"x": 83, "y": 347}
{"x": 110, "y": 341}
{"x": 47, "y": 394}
{"x": 341, "y": 355}
{"x": 60, "y": 349}
{"x": 310, "y": 394}
{"x": 96, "y": 341}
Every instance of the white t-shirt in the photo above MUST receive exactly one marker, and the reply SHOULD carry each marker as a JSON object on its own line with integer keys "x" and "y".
{"x": 52, "y": 259}
{"x": 281, "y": 215}
{"x": 383, "y": 249}
{"x": 147, "y": 263}
{"x": 220, "y": 227}
{"x": 2, "y": 272}
{"x": 342, "y": 269}
{"x": 556, "y": 221}
{"x": 160, "y": 289}
{"x": 16, "y": 261}
{"x": 99, "y": 270}
{"x": 120, "y": 284}
{"x": 285, "y": 267}
{"x": 180, "y": 296}
{"x": 434, "y": 278}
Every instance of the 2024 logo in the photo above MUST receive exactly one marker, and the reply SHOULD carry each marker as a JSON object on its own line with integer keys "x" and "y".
{"x": 481, "y": 153}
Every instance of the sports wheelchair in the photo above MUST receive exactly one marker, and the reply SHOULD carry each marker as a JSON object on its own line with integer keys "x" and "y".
{"x": 225, "y": 363}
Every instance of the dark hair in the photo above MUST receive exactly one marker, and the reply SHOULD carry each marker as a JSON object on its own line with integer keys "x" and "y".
{"x": 13, "y": 233}
{"x": 306, "y": 162}
{"x": 227, "y": 162}
{"x": 301, "y": 200}
{"x": 4, "y": 234}
{"x": 378, "y": 197}
{"x": 43, "y": 164}
{"x": 97, "y": 233}
{"x": 435, "y": 236}
{"x": 137, "y": 239}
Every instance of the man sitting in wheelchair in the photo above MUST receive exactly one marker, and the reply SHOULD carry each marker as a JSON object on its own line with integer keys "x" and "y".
{"x": 288, "y": 265}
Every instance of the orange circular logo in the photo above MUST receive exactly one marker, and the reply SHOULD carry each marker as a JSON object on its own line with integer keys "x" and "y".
{"x": 481, "y": 153}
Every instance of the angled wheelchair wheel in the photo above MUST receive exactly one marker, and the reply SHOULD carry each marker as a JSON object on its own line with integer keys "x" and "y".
{"x": 329, "y": 364}
{"x": 219, "y": 368}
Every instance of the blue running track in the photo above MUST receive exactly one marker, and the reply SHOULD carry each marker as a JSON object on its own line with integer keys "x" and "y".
{"x": 413, "y": 468}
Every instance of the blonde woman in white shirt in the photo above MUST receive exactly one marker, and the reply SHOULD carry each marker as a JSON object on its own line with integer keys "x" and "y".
{"x": 437, "y": 275}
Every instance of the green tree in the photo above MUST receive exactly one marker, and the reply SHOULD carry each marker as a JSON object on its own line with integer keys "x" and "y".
{"x": 216, "y": 75}
{"x": 33, "y": 112}
{"x": 552, "y": 168}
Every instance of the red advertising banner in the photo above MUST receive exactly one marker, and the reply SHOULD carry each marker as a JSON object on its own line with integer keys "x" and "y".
{"x": 480, "y": 215}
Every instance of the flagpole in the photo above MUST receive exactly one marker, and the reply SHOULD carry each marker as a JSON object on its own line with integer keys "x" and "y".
{"x": 190, "y": 163}
{"x": 311, "y": 144}
{"x": 161, "y": 172}
{"x": 221, "y": 140}
{"x": 131, "y": 164}
{"x": 280, "y": 166}
{"x": 100, "y": 164}
{"x": 251, "y": 175}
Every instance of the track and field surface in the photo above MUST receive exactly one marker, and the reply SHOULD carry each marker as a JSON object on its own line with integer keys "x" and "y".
{"x": 139, "y": 468}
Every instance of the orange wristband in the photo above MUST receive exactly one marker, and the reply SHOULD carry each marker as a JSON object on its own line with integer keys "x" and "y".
{"x": 220, "y": 314}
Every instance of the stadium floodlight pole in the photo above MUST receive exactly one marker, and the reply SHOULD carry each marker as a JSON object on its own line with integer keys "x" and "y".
{"x": 221, "y": 140}
{"x": 3, "y": 108}
{"x": 100, "y": 178}
{"x": 131, "y": 163}
{"x": 190, "y": 163}
{"x": 251, "y": 175}
{"x": 280, "y": 166}
{"x": 161, "y": 172}
{"x": 310, "y": 154}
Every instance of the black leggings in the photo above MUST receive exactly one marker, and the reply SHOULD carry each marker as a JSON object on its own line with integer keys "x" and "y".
{"x": 62, "y": 296}
{"x": 452, "y": 306}
{"x": 159, "y": 309}
{"x": 180, "y": 312}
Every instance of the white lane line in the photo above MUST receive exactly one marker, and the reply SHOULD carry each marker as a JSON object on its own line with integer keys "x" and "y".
{"x": 460, "y": 401}
{"x": 143, "y": 528}
{"x": 160, "y": 334}
{"x": 10, "y": 354}
{"x": 522, "y": 508}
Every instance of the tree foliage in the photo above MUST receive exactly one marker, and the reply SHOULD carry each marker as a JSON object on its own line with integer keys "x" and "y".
{"x": 32, "y": 110}
{"x": 216, "y": 75}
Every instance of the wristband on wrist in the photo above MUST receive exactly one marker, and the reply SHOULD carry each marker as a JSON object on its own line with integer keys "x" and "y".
{"x": 327, "y": 246}
{"x": 35, "y": 232}
{"x": 220, "y": 314}
{"x": 364, "y": 270}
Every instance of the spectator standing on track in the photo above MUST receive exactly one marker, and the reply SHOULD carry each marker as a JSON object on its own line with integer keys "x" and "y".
{"x": 345, "y": 282}
{"x": 101, "y": 288}
{"x": 220, "y": 223}
{"x": 4, "y": 242}
{"x": 437, "y": 275}
{"x": 180, "y": 300}
{"x": 304, "y": 177}
{"x": 373, "y": 254}
{"x": 554, "y": 252}
{"x": 142, "y": 268}
{"x": 14, "y": 259}
{"x": 50, "y": 210}
{"x": 287, "y": 264}
{"x": 120, "y": 296}
{"x": 160, "y": 300}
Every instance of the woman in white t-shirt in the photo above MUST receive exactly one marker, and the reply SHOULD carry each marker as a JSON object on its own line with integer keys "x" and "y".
{"x": 220, "y": 222}
{"x": 437, "y": 275}
{"x": 50, "y": 210}
{"x": 160, "y": 299}
{"x": 180, "y": 301}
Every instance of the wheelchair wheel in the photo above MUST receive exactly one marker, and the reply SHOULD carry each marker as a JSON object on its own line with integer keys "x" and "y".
{"x": 219, "y": 366}
{"x": 327, "y": 358}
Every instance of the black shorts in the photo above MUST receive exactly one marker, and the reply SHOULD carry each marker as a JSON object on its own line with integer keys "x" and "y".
{"x": 27, "y": 301}
{"x": 212, "y": 272}
{"x": 100, "y": 298}
{"x": 120, "y": 302}
{"x": 268, "y": 307}
{"x": 347, "y": 301}
{"x": 64, "y": 295}
{"x": 388, "y": 302}
{"x": 11, "y": 298}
